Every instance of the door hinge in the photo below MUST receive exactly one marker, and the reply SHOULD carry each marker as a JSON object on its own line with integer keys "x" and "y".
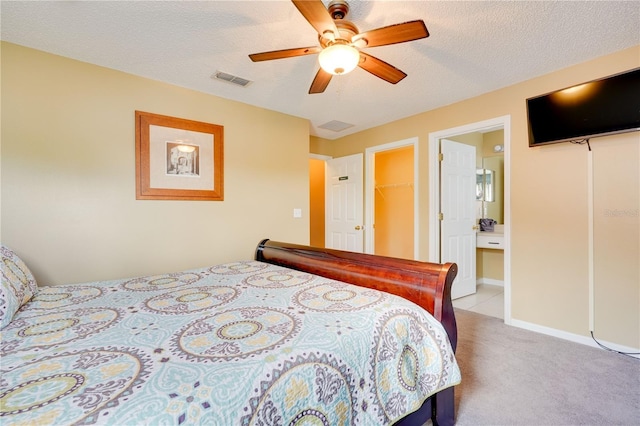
{"x": 440, "y": 216}
{"x": 440, "y": 156}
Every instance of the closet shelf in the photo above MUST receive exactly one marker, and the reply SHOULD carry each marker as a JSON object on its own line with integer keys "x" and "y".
{"x": 379, "y": 188}
{"x": 395, "y": 185}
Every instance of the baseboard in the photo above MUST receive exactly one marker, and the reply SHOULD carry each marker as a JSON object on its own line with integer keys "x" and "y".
{"x": 584, "y": 340}
{"x": 490, "y": 281}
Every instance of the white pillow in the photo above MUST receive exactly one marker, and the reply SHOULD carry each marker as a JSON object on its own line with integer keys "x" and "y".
{"x": 18, "y": 285}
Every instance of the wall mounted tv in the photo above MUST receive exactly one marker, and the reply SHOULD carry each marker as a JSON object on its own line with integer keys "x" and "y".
{"x": 597, "y": 108}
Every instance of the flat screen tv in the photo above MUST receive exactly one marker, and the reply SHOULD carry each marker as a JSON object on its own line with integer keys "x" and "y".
{"x": 597, "y": 108}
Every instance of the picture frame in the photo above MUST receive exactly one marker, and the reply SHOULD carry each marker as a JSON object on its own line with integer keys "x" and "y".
{"x": 178, "y": 159}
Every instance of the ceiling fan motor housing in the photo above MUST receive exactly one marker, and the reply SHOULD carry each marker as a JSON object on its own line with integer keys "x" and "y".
{"x": 338, "y": 9}
{"x": 347, "y": 30}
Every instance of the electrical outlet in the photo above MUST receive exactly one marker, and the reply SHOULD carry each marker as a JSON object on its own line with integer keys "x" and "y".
{"x": 297, "y": 213}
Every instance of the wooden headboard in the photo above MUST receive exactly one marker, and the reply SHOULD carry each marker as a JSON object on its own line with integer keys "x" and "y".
{"x": 426, "y": 284}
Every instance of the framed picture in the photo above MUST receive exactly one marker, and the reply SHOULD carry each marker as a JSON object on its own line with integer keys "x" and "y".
{"x": 178, "y": 159}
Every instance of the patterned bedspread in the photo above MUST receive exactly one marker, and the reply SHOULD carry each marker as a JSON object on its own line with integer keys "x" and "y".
{"x": 234, "y": 344}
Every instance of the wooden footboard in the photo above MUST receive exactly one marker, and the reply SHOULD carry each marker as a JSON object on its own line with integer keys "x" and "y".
{"x": 426, "y": 284}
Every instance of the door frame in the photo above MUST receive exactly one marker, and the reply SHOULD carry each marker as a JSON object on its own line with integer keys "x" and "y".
{"x": 324, "y": 159}
{"x": 370, "y": 189}
{"x": 503, "y": 122}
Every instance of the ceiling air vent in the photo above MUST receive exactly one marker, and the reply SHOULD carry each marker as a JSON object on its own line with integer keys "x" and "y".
{"x": 336, "y": 126}
{"x": 230, "y": 78}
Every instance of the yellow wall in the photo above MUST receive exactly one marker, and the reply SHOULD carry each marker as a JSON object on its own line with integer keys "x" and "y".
{"x": 616, "y": 217}
{"x": 549, "y": 215}
{"x": 69, "y": 203}
{"x": 316, "y": 202}
{"x": 494, "y": 161}
{"x": 394, "y": 203}
{"x": 490, "y": 264}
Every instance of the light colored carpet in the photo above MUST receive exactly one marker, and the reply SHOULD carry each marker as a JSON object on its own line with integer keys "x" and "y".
{"x": 512, "y": 376}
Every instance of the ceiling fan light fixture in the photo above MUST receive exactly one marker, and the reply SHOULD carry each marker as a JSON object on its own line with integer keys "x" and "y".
{"x": 339, "y": 58}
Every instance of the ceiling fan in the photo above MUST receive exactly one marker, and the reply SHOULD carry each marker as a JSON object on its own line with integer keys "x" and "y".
{"x": 341, "y": 43}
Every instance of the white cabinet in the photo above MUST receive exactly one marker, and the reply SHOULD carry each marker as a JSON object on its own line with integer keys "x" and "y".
{"x": 492, "y": 240}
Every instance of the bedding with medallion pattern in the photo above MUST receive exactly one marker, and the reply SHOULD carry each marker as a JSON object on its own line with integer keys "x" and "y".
{"x": 244, "y": 343}
{"x": 17, "y": 285}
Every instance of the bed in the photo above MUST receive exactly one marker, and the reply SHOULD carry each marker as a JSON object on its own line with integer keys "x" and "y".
{"x": 298, "y": 335}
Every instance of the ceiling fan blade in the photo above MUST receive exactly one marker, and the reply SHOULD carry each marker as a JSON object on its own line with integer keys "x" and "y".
{"x": 317, "y": 15}
{"x": 286, "y": 53}
{"x": 380, "y": 68}
{"x": 320, "y": 82}
{"x": 398, "y": 33}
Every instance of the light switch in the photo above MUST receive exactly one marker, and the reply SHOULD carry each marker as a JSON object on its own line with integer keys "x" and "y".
{"x": 297, "y": 213}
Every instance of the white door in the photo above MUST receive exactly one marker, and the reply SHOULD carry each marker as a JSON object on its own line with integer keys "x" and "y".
{"x": 344, "y": 199}
{"x": 457, "y": 205}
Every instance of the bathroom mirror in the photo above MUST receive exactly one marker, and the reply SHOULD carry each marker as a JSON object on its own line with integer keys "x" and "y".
{"x": 484, "y": 185}
{"x": 493, "y": 199}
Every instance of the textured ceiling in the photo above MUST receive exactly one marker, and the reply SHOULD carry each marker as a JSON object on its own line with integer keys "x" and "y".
{"x": 474, "y": 47}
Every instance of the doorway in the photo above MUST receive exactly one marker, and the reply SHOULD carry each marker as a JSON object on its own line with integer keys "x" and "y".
{"x": 435, "y": 236}
{"x": 391, "y": 199}
{"x": 317, "y": 166}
